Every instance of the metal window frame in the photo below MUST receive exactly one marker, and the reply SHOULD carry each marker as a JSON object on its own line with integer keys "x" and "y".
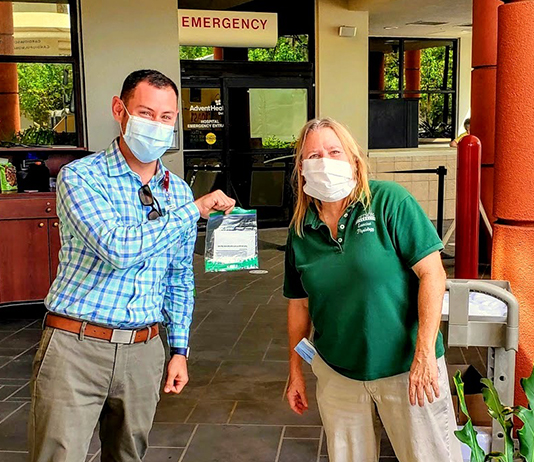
{"x": 74, "y": 59}
{"x": 403, "y": 93}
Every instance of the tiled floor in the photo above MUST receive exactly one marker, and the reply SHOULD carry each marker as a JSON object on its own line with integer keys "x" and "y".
{"x": 233, "y": 409}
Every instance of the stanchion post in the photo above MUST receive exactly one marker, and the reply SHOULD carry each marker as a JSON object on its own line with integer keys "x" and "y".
{"x": 467, "y": 207}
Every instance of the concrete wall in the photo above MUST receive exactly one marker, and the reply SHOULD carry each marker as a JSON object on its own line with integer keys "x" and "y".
{"x": 118, "y": 39}
{"x": 464, "y": 80}
{"x": 341, "y": 66}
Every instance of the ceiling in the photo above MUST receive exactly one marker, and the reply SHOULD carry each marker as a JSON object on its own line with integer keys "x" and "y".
{"x": 396, "y": 17}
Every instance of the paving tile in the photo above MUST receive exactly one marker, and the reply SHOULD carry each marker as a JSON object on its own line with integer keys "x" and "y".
{"x": 274, "y": 412}
{"x": 299, "y": 451}
{"x": 7, "y": 408}
{"x": 172, "y": 409}
{"x": 5, "y": 359}
{"x": 250, "y": 348}
{"x": 385, "y": 446}
{"x": 14, "y": 456}
{"x": 20, "y": 368}
{"x": 23, "y": 339}
{"x": 13, "y": 431}
{"x": 218, "y": 443}
{"x": 23, "y": 394}
{"x": 278, "y": 350}
{"x": 170, "y": 435}
{"x": 303, "y": 432}
{"x": 241, "y": 380}
{"x": 11, "y": 381}
{"x": 94, "y": 445}
{"x": 14, "y": 325}
{"x": 212, "y": 412}
{"x": 7, "y": 390}
{"x": 163, "y": 455}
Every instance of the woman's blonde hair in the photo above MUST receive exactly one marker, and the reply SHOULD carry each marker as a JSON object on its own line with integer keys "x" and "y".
{"x": 361, "y": 193}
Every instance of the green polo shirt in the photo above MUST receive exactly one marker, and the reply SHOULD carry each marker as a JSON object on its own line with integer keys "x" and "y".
{"x": 362, "y": 291}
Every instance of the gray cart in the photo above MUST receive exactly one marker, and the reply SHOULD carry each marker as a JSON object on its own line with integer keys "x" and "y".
{"x": 466, "y": 326}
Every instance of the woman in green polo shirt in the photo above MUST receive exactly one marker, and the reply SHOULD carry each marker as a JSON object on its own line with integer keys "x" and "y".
{"x": 363, "y": 267}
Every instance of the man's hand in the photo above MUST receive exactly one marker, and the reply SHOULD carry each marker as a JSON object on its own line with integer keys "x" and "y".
{"x": 423, "y": 379}
{"x": 216, "y": 201}
{"x": 177, "y": 377}
{"x": 296, "y": 393}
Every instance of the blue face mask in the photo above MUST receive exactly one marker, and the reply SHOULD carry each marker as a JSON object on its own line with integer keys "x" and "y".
{"x": 148, "y": 140}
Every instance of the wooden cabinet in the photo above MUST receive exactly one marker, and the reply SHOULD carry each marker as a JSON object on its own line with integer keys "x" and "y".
{"x": 29, "y": 246}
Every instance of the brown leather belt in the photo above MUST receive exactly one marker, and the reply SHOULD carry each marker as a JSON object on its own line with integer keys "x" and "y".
{"x": 104, "y": 333}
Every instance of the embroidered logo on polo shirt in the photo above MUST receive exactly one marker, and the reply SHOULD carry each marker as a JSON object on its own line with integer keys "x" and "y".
{"x": 366, "y": 223}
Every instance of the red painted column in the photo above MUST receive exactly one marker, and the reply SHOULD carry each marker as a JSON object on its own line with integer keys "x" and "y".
{"x": 483, "y": 94}
{"x": 9, "y": 93}
{"x": 467, "y": 210}
{"x": 513, "y": 243}
{"x": 377, "y": 72}
{"x": 218, "y": 53}
{"x": 412, "y": 72}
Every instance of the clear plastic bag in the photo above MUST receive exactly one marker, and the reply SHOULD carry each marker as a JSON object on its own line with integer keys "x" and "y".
{"x": 232, "y": 241}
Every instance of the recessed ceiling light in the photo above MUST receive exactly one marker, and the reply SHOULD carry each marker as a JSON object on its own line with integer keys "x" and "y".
{"x": 391, "y": 27}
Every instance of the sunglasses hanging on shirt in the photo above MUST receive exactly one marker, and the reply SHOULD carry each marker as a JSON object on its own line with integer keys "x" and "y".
{"x": 148, "y": 200}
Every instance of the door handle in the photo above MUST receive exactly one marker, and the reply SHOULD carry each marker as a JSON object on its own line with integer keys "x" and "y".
{"x": 56, "y": 224}
{"x": 41, "y": 225}
{"x": 48, "y": 210}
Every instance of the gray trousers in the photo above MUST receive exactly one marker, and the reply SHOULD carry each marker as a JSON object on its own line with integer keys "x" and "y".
{"x": 77, "y": 384}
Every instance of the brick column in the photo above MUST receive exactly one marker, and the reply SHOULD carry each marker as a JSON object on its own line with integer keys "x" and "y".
{"x": 513, "y": 243}
{"x": 483, "y": 94}
{"x": 377, "y": 72}
{"x": 9, "y": 93}
{"x": 412, "y": 67}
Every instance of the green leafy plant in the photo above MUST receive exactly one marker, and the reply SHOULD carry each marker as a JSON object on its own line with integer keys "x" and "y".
{"x": 273, "y": 142}
{"x": 504, "y": 416}
{"x": 42, "y": 89}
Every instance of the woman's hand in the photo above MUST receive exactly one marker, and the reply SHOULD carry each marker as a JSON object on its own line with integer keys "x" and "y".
{"x": 296, "y": 393}
{"x": 424, "y": 379}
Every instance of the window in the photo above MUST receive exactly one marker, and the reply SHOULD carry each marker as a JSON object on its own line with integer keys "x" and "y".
{"x": 39, "y": 74}
{"x": 420, "y": 74}
{"x": 293, "y": 48}
{"x": 276, "y": 116}
{"x": 203, "y": 118}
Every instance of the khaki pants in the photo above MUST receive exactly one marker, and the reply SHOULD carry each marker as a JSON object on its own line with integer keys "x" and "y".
{"x": 349, "y": 411}
{"x": 77, "y": 384}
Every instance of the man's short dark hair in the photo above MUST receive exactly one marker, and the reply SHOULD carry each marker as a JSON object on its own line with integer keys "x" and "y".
{"x": 152, "y": 77}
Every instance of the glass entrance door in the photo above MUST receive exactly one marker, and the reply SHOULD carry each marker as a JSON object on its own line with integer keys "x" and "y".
{"x": 264, "y": 121}
{"x": 239, "y": 135}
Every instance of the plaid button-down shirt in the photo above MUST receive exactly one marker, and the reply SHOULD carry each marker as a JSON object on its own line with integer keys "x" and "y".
{"x": 116, "y": 267}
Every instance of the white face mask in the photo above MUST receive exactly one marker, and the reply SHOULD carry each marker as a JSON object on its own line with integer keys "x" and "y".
{"x": 148, "y": 140}
{"x": 328, "y": 180}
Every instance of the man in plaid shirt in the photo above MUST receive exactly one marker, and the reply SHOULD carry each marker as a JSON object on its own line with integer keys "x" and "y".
{"x": 128, "y": 230}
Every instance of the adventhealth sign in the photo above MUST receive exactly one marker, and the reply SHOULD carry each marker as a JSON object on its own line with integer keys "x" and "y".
{"x": 227, "y": 28}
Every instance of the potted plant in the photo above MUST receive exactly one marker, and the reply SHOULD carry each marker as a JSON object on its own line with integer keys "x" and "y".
{"x": 504, "y": 416}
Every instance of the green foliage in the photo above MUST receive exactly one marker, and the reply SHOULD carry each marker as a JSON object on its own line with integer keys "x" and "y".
{"x": 192, "y": 52}
{"x": 273, "y": 142}
{"x": 41, "y": 90}
{"x": 526, "y": 434}
{"x": 433, "y": 122}
{"x": 39, "y": 136}
{"x": 467, "y": 435}
{"x": 504, "y": 415}
{"x": 287, "y": 49}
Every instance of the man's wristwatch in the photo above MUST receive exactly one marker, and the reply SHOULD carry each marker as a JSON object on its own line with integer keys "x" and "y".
{"x": 180, "y": 351}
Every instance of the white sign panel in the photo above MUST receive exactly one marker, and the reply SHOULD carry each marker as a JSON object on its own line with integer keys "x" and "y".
{"x": 228, "y": 28}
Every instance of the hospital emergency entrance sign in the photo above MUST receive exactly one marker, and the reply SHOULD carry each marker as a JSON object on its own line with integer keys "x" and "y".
{"x": 228, "y": 28}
